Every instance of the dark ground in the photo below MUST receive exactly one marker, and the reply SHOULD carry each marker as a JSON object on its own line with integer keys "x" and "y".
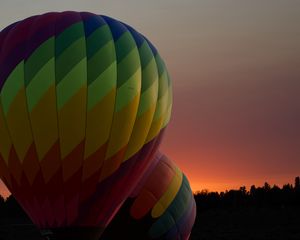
{"x": 245, "y": 223}
{"x": 248, "y": 223}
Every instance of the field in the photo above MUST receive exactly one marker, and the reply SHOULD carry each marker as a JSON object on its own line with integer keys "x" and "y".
{"x": 267, "y": 223}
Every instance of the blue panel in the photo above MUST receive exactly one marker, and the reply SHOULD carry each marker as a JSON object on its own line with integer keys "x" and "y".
{"x": 117, "y": 28}
{"x": 138, "y": 38}
{"x": 92, "y": 23}
{"x": 180, "y": 225}
{"x": 154, "y": 50}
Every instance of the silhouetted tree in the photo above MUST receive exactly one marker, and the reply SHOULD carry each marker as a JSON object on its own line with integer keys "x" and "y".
{"x": 252, "y": 190}
{"x": 297, "y": 183}
{"x": 243, "y": 190}
{"x": 267, "y": 187}
{"x": 257, "y": 196}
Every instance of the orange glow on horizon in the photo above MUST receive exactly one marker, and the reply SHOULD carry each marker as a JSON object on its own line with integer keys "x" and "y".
{"x": 212, "y": 186}
{"x": 230, "y": 185}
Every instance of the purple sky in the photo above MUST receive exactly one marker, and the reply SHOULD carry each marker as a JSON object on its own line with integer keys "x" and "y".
{"x": 235, "y": 67}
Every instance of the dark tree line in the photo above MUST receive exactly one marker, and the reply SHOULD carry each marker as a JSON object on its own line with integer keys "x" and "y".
{"x": 288, "y": 195}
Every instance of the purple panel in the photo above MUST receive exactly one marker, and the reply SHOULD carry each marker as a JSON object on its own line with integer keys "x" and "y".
{"x": 65, "y": 20}
{"x": 86, "y": 15}
{"x": 16, "y": 36}
{"x": 16, "y": 56}
{"x": 4, "y": 33}
{"x": 13, "y": 48}
{"x": 42, "y": 29}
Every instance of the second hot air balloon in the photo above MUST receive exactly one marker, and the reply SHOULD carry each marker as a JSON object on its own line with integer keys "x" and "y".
{"x": 162, "y": 207}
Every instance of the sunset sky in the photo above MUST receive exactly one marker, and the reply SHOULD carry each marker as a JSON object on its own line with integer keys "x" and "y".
{"x": 235, "y": 67}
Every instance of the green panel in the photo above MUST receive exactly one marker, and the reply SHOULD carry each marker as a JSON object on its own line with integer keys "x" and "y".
{"x": 124, "y": 45}
{"x": 73, "y": 81}
{"x": 149, "y": 68}
{"x": 69, "y": 58}
{"x": 12, "y": 86}
{"x": 68, "y": 36}
{"x": 163, "y": 76}
{"x": 149, "y": 88}
{"x": 101, "y": 61}
{"x": 98, "y": 39}
{"x": 163, "y": 85}
{"x": 128, "y": 66}
{"x": 102, "y": 85}
{"x": 146, "y": 54}
{"x": 40, "y": 83}
{"x": 160, "y": 65}
{"x": 38, "y": 59}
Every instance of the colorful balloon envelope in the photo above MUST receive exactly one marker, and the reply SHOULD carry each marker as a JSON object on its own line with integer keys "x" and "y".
{"x": 161, "y": 207}
{"x": 84, "y": 101}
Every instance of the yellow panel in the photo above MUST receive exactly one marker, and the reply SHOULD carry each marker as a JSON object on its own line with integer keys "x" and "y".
{"x": 18, "y": 124}
{"x": 99, "y": 120}
{"x": 169, "y": 109}
{"x": 155, "y": 128}
{"x": 167, "y": 116}
{"x": 140, "y": 131}
{"x": 120, "y": 134}
{"x": 168, "y": 196}
{"x": 159, "y": 117}
{"x": 71, "y": 120}
{"x": 44, "y": 123}
{"x": 167, "y": 113}
{"x": 5, "y": 141}
{"x": 123, "y": 123}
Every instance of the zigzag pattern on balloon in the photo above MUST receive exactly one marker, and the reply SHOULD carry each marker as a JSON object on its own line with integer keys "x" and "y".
{"x": 69, "y": 84}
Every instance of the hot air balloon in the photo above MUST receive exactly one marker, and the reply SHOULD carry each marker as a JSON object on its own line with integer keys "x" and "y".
{"x": 161, "y": 207}
{"x": 84, "y": 102}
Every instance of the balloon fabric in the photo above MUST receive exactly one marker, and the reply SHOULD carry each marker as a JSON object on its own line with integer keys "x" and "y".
{"x": 84, "y": 103}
